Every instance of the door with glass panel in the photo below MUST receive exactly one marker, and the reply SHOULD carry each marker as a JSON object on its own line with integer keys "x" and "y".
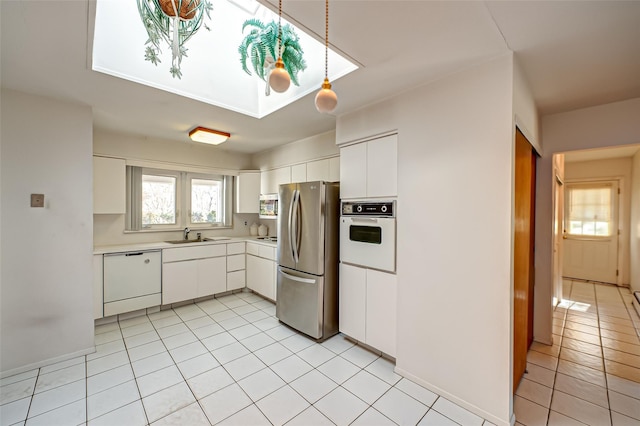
{"x": 591, "y": 231}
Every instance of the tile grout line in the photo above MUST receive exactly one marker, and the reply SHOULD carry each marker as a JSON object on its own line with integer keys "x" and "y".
{"x": 555, "y": 373}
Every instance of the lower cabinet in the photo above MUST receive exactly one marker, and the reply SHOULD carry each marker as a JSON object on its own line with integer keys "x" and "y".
{"x": 367, "y": 307}
{"x": 185, "y": 279}
{"x": 261, "y": 270}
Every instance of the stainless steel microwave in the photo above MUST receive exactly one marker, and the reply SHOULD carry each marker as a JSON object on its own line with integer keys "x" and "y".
{"x": 269, "y": 206}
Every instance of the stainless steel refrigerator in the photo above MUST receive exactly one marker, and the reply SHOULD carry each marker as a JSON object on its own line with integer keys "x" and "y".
{"x": 307, "y": 291}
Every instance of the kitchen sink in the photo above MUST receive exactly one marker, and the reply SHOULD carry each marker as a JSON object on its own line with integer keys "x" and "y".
{"x": 198, "y": 241}
{"x": 186, "y": 241}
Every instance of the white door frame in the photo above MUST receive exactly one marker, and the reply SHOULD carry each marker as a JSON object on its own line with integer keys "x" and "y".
{"x": 619, "y": 208}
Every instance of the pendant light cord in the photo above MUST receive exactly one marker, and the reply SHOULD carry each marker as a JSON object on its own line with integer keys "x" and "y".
{"x": 279, "y": 27}
{"x": 326, "y": 40}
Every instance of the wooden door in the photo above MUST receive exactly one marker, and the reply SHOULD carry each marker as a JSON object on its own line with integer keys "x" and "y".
{"x": 524, "y": 207}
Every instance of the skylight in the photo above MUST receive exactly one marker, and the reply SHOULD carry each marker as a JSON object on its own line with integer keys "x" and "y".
{"x": 211, "y": 70}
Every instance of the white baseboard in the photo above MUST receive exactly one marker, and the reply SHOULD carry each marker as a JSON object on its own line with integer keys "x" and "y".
{"x": 46, "y": 362}
{"x": 464, "y": 404}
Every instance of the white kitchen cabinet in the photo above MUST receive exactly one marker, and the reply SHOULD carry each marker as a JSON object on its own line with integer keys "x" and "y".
{"x": 353, "y": 171}
{"x": 236, "y": 280}
{"x": 97, "y": 287}
{"x": 299, "y": 173}
{"x": 179, "y": 281}
{"x": 370, "y": 169}
{"x": 381, "y": 311}
{"x": 334, "y": 169}
{"x": 382, "y": 167}
{"x": 318, "y": 170}
{"x": 367, "y": 307}
{"x": 261, "y": 269}
{"x": 248, "y": 192}
{"x": 270, "y": 180}
{"x": 352, "y": 301}
{"x": 109, "y": 185}
{"x": 192, "y": 272}
{"x": 212, "y": 276}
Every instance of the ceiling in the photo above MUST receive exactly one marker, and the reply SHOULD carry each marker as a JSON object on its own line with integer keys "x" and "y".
{"x": 575, "y": 54}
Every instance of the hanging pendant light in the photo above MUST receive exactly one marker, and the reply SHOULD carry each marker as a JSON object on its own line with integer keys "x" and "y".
{"x": 279, "y": 79}
{"x": 326, "y": 99}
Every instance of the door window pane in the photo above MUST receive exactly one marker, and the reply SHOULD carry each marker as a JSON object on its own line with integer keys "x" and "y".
{"x": 158, "y": 200}
{"x": 206, "y": 201}
{"x": 590, "y": 210}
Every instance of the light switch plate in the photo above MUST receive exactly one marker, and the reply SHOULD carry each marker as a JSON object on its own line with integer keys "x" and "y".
{"x": 37, "y": 200}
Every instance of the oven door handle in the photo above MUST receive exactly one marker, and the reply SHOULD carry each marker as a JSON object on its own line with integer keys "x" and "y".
{"x": 364, "y": 219}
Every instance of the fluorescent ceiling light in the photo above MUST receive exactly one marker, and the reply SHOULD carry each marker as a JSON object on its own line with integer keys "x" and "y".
{"x": 211, "y": 69}
{"x": 210, "y": 136}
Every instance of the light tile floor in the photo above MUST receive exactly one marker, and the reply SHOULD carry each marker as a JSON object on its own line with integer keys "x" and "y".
{"x": 591, "y": 373}
{"x": 227, "y": 361}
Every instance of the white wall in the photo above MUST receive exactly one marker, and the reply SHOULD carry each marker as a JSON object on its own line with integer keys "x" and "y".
{"x": 46, "y": 307}
{"x": 109, "y": 229}
{"x": 610, "y": 168}
{"x": 634, "y": 244}
{"x": 595, "y": 127}
{"x": 308, "y": 149}
{"x": 454, "y": 232}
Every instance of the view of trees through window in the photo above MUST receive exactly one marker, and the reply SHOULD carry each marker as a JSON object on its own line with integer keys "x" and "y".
{"x": 206, "y": 198}
{"x": 158, "y": 200}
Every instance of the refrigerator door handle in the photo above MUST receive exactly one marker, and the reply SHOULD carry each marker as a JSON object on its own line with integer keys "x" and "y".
{"x": 293, "y": 214}
{"x": 298, "y": 279}
{"x": 298, "y": 226}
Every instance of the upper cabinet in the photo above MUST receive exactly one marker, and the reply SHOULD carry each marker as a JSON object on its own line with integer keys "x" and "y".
{"x": 248, "y": 192}
{"x": 272, "y": 179}
{"x": 370, "y": 169}
{"x": 109, "y": 185}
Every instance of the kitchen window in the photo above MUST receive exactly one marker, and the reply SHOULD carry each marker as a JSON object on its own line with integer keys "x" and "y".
{"x": 169, "y": 200}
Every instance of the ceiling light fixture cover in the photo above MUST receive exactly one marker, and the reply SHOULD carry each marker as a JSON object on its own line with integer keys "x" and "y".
{"x": 210, "y": 136}
{"x": 279, "y": 79}
{"x": 326, "y": 99}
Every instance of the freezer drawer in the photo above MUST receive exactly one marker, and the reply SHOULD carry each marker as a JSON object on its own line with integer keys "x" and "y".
{"x": 132, "y": 274}
{"x": 300, "y": 301}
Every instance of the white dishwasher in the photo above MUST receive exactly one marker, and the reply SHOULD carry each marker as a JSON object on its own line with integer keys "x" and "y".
{"x": 132, "y": 281}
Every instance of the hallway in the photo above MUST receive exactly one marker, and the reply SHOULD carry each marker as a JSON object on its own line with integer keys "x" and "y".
{"x": 591, "y": 373}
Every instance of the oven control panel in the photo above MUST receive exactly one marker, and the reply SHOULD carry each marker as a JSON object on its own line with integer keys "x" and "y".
{"x": 357, "y": 208}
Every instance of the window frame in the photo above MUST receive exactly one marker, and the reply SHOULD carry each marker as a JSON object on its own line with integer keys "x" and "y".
{"x": 613, "y": 205}
{"x": 183, "y": 201}
{"x": 188, "y": 193}
{"x": 178, "y": 199}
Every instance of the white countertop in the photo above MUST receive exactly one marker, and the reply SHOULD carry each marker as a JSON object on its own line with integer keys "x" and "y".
{"x": 118, "y": 248}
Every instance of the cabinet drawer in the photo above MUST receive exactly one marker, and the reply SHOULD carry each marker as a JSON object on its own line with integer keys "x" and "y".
{"x": 197, "y": 252}
{"x": 253, "y": 249}
{"x": 235, "y": 262}
{"x": 267, "y": 252}
{"x": 235, "y": 248}
{"x": 235, "y": 280}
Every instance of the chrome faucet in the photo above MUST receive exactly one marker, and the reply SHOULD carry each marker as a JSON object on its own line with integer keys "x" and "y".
{"x": 186, "y": 233}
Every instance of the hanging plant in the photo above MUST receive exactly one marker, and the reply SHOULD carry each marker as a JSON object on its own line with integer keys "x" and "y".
{"x": 172, "y": 22}
{"x": 260, "y": 44}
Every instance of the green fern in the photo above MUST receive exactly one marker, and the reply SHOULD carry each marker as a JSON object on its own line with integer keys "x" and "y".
{"x": 261, "y": 43}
